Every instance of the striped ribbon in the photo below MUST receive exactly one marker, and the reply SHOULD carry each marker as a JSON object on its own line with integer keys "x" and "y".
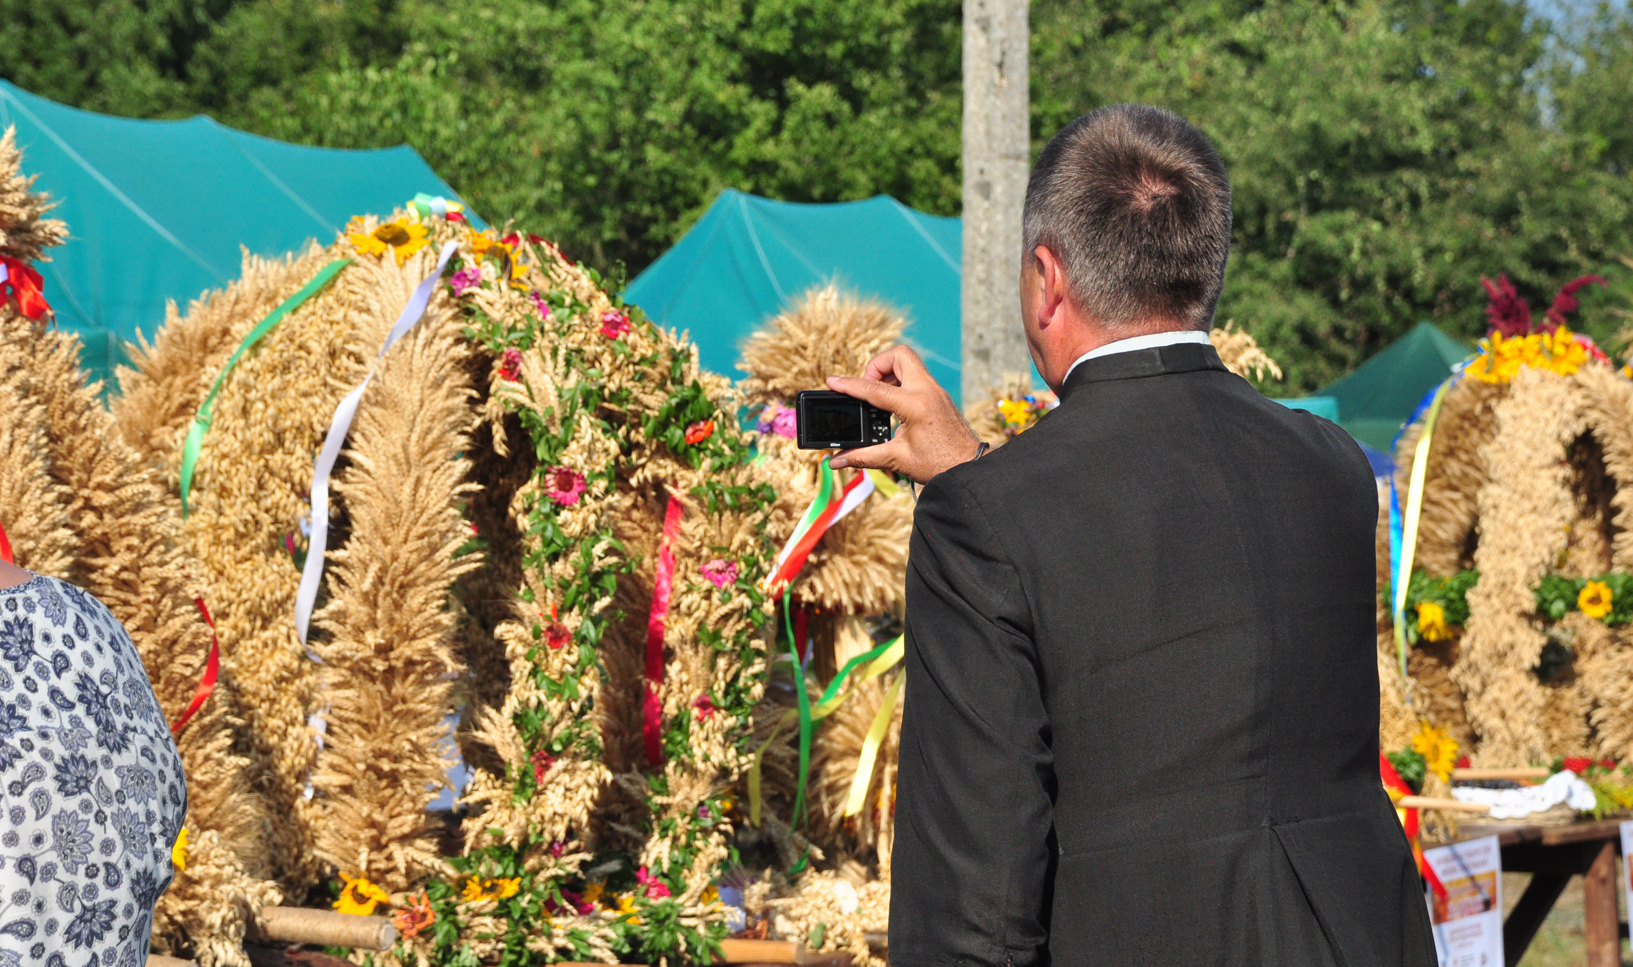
{"x": 1402, "y": 561}
{"x": 656, "y": 622}
{"x": 1397, "y": 787}
{"x": 201, "y": 422}
{"x": 823, "y": 513}
{"x": 312, "y": 573}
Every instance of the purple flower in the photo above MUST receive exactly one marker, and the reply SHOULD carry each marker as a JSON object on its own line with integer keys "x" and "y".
{"x": 466, "y": 278}
{"x": 541, "y": 305}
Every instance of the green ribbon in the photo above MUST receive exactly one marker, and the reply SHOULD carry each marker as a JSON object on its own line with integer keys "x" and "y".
{"x": 201, "y": 422}
{"x": 804, "y": 732}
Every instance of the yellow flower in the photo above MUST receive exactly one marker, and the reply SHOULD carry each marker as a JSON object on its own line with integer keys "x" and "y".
{"x": 178, "y": 852}
{"x": 478, "y": 889}
{"x": 1565, "y": 353}
{"x": 1432, "y": 622}
{"x": 403, "y": 238}
{"x": 360, "y": 897}
{"x": 710, "y": 895}
{"x": 626, "y": 904}
{"x": 1438, "y": 749}
{"x": 1595, "y": 599}
{"x": 1016, "y": 412}
{"x": 593, "y": 892}
{"x": 482, "y": 241}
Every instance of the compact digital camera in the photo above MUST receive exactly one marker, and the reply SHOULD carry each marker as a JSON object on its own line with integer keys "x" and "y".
{"x": 828, "y": 420}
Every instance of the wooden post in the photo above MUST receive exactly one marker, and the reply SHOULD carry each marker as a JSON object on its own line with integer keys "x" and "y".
{"x": 1603, "y": 932}
{"x": 997, "y": 157}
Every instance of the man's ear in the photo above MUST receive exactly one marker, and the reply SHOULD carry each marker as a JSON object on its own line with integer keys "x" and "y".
{"x": 1052, "y": 279}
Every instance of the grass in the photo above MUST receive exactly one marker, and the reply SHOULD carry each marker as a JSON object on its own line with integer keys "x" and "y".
{"x": 1560, "y": 942}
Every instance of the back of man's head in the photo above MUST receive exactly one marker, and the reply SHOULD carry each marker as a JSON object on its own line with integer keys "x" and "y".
{"x": 1135, "y": 203}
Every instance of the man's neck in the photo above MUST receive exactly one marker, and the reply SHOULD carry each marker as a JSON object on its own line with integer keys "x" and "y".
{"x": 1091, "y": 337}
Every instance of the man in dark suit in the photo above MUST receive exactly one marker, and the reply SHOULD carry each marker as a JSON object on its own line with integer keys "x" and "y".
{"x": 1142, "y": 692}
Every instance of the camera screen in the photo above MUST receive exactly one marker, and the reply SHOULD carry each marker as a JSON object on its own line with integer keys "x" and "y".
{"x": 833, "y": 421}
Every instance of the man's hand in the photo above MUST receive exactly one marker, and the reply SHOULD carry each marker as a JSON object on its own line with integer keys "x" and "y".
{"x": 933, "y": 435}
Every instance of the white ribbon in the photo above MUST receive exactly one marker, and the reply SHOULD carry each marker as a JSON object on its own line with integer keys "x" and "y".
{"x": 312, "y": 573}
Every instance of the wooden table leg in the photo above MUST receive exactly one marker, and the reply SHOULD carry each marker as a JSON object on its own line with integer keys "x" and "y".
{"x": 1604, "y": 935}
{"x": 1535, "y": 903}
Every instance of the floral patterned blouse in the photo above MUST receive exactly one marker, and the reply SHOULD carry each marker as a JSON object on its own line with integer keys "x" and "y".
{"x": 93, "y": 789}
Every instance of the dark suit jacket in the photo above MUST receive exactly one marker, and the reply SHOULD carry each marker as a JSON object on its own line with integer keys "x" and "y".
{"x": 1141, "y": 722}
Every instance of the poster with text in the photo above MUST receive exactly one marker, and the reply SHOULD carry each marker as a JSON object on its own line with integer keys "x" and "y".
{"x": 1469, "y": 918}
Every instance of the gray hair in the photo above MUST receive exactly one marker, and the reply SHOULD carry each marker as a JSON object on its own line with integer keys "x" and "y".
{"x": 1135, "y": 203}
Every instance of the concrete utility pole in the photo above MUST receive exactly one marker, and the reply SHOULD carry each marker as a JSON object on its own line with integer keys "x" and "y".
{"x": 997, "y": 157}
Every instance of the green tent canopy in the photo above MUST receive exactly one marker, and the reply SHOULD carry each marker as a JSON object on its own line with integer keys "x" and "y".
{"x": 1375, "y": 399}
{"x": 158, "y": 210}
{"x": 747, "y": 258}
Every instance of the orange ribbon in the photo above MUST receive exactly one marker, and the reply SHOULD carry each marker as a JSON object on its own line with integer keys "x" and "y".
{"x": 1409, "y": 820}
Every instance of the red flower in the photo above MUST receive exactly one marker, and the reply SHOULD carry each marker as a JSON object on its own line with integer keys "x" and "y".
{"x": 563, "y": 485}
{"x": 1578, "y": 764}
{"x": 556, "y": 633}
{"x": 1607, "y": 763}
{"x": 542, "y": 761}
{"x": 704, "y": 707}
{"x": 1565, "y": 300}
{"x": 1462, "y": 762}
{"x": 557, "y": 848}
{"x": 511, "y": 368}
{"x": 699, "y": 431}
{"x": 418, "y": 915}
{"x": 1506, "y": 312}
{"x": 614, "y": 324}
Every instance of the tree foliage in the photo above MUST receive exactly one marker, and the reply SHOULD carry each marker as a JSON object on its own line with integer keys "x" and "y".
{"x": 1385, "y": 153}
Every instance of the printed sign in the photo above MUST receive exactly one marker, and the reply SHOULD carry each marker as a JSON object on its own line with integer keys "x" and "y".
{"x": 1468, "y": 920}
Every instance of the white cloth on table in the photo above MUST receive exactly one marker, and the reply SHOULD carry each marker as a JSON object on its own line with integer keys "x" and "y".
{"x": 1562, "y": 787}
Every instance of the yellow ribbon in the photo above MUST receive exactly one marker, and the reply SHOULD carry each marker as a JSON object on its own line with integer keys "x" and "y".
{"x": 883, "y": 483}
{"x": 870, "y": 747}
{"x": 887, "y": 660}
{"x": 1414, "y": 513}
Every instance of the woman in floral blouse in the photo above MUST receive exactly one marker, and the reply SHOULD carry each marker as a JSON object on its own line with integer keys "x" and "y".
{"x": 93, "y": 789}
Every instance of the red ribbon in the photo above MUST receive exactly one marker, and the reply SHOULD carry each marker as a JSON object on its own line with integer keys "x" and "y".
{"x": 1393, "y": 780}
{"x": 24, "y": 283}
{"x": 802, "y": 642}
{"x": 657, "y": 619}
{"x": 212, "y": 671}
{"x": 5, "y": 547}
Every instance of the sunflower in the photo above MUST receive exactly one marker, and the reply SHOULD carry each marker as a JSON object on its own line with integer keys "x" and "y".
{"x": 178, "y": 852}
{"x": 402, "y": 238}
{"x": 1438, "y": 749}
{"x": 1595, "y": 599}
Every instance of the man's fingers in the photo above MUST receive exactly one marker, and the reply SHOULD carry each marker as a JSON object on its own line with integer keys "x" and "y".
{"x": 890, "y": 365}
{"x": 882, "y": 395}
{"x": 883, "y": 456}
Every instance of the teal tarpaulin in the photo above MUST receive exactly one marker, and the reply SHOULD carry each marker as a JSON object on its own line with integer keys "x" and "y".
{"x": 1375, "y": 399}
{"x": 747, "y": 258}
{"x": 158, "y": 210}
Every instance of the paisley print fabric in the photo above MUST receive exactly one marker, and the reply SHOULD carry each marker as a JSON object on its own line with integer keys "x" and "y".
{"x": 93, "y": 789}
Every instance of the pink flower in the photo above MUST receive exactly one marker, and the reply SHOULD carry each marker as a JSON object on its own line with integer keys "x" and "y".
{"x": 654, "y": 886}
{"x": 785, "y": 423}
{"x": 704, "y": 707}
{"x": 614, "y": 323}
{"x": 720, "y": 573}
{"x": 541, "y": 305}
{"x": 542, "y": 761}
{"x": 557, "y": 848}
{"x": 464, "y": 279}
{"x": 511, "y": 368}
{"x": 563, "y": 485}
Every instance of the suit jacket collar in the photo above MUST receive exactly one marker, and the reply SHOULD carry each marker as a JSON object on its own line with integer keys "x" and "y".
{"x": 1158, "y": 361}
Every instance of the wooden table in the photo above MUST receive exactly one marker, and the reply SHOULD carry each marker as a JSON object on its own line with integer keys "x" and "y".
{"x": 1552, "y": 855}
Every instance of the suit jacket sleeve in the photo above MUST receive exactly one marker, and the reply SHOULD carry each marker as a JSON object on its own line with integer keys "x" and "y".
{"x": 974, "y": 846}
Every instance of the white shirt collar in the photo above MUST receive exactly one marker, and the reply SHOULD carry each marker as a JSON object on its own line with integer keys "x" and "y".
{"x": 1134, "y": 343}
